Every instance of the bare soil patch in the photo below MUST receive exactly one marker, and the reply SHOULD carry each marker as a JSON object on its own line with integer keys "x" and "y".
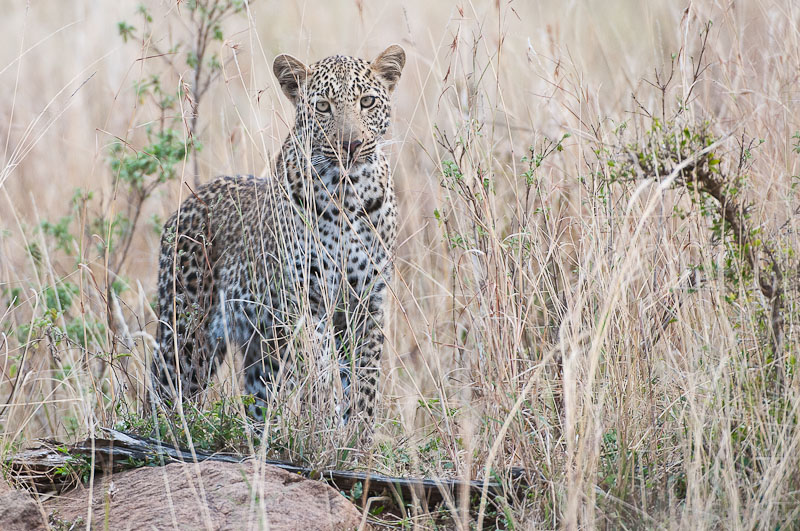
{"x": 207, "y": 495}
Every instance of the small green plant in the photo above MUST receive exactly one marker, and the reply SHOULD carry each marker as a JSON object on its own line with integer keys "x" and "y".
{"x": 140, "y": 173}
{"x": 536, "y": 156}
{"x": 356, "y": 492}
{"x": 76, "y": 467}
{"x": 57, "y": 321}
{"x": 57, "y": 523}
{"x": 220, "y": 428}
{"x": 205, "y": 19}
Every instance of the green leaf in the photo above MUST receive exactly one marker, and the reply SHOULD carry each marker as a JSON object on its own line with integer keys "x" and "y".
{"x": 125, "y": 30}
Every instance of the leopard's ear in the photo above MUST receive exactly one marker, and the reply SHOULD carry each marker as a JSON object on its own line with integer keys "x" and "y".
{"x": 388, "y": 65}
{"x": 291, "y": 74}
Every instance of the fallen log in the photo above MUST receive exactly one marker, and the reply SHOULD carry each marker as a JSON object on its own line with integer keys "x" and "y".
{"x": 53, "y": 466}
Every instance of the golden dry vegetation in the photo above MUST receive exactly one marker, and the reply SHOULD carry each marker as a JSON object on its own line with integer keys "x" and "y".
{"x": 597, "y": 270}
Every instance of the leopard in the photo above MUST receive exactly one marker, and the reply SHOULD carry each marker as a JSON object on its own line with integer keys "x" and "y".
{"x": 247, "y": 261}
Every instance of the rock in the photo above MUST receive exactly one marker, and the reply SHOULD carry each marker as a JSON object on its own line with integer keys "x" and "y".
{"x": 208, "y": 495}
{"x": 18, "y": 511}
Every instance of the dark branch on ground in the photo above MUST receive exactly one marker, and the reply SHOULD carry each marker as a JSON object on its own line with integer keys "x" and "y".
{"x": 42, "y": 469}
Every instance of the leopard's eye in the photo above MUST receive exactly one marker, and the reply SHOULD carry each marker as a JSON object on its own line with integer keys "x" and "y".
{"x": 367, "y": 102}
{"x": 323, "y": 106}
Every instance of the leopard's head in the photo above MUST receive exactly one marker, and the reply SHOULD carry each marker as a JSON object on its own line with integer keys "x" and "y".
{"x": 342, "y": 103}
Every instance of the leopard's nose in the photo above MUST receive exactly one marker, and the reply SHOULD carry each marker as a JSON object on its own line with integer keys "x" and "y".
{"x": 351, "y": 146}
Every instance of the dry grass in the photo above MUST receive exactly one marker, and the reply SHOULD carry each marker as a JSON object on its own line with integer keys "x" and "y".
{"x": 549, "y": 325}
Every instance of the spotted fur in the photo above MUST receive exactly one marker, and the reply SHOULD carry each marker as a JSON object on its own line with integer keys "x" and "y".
{"x": 246, "y": 261}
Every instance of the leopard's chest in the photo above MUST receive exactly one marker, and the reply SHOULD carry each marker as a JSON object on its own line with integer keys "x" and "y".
{"x": 349, "y": 237}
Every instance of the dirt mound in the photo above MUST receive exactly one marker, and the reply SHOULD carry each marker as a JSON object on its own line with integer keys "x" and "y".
{"x": 18, "y": 511}
{"x": 207, "y": 495}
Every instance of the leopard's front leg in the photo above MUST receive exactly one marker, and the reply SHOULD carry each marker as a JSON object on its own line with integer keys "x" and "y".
{"x": 360, "y": 353}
